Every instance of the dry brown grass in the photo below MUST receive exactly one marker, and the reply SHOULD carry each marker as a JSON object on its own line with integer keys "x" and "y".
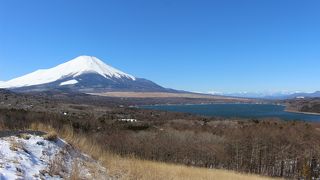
{"x": 14, "y": 145}
{"x": 51, "y": 136}
{"x": 56, "y": 167}
{"x": 24, "y": 136}
{"x": 133, "y": 168}
{"x": 75, "y": 171}
{"x": 2, "y": 126}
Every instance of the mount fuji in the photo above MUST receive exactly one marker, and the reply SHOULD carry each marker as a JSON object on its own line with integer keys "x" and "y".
{"x": 82, "y": 74}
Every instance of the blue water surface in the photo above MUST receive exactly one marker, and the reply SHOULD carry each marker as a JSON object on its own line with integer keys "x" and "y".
{"x": 238, "y": 110}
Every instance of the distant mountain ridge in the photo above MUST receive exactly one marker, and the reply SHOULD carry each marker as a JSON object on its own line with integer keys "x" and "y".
{"x": 272, "y": 95}
{"x": 83, "y": 74}
{"x": 305, "y": 95}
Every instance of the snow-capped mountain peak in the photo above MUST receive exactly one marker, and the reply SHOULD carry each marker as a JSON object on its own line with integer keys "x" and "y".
{"x": 73, "y": 68}
{"x": 86, "y": 64}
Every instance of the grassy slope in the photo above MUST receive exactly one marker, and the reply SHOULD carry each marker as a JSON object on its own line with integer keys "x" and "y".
{"x": 133, "y": 168}
{"x": 139, "y": 169}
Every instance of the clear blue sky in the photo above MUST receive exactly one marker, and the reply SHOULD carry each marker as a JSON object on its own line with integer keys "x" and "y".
{"x": 196, "y": 45}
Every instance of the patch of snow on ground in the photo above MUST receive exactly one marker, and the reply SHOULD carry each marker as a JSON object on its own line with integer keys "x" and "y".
{"x": 37, "y": 158}
{"x": 128, "y": 120}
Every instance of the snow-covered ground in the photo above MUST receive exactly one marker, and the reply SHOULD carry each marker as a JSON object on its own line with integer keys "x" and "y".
{"x": 36, "y": 158}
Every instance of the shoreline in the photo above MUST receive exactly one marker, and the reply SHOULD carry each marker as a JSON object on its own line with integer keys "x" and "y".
{"x": 301, "y": 112}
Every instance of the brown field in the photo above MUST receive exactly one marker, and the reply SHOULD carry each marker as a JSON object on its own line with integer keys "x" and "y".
{"x": 163, "y": 95}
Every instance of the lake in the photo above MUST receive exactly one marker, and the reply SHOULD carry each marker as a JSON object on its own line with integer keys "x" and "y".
{"x": 237, "y": 110}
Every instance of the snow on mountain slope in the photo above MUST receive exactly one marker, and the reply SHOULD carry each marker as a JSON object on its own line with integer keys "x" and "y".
{"x": 76, "y": 67}
{"x": 73, "y": 81}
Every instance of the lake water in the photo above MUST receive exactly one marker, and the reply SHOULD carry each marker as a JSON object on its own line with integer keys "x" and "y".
{"x": 237, "y": 110}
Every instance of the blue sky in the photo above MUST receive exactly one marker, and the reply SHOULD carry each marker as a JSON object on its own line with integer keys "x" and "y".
{"x": 196, "y": 45}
